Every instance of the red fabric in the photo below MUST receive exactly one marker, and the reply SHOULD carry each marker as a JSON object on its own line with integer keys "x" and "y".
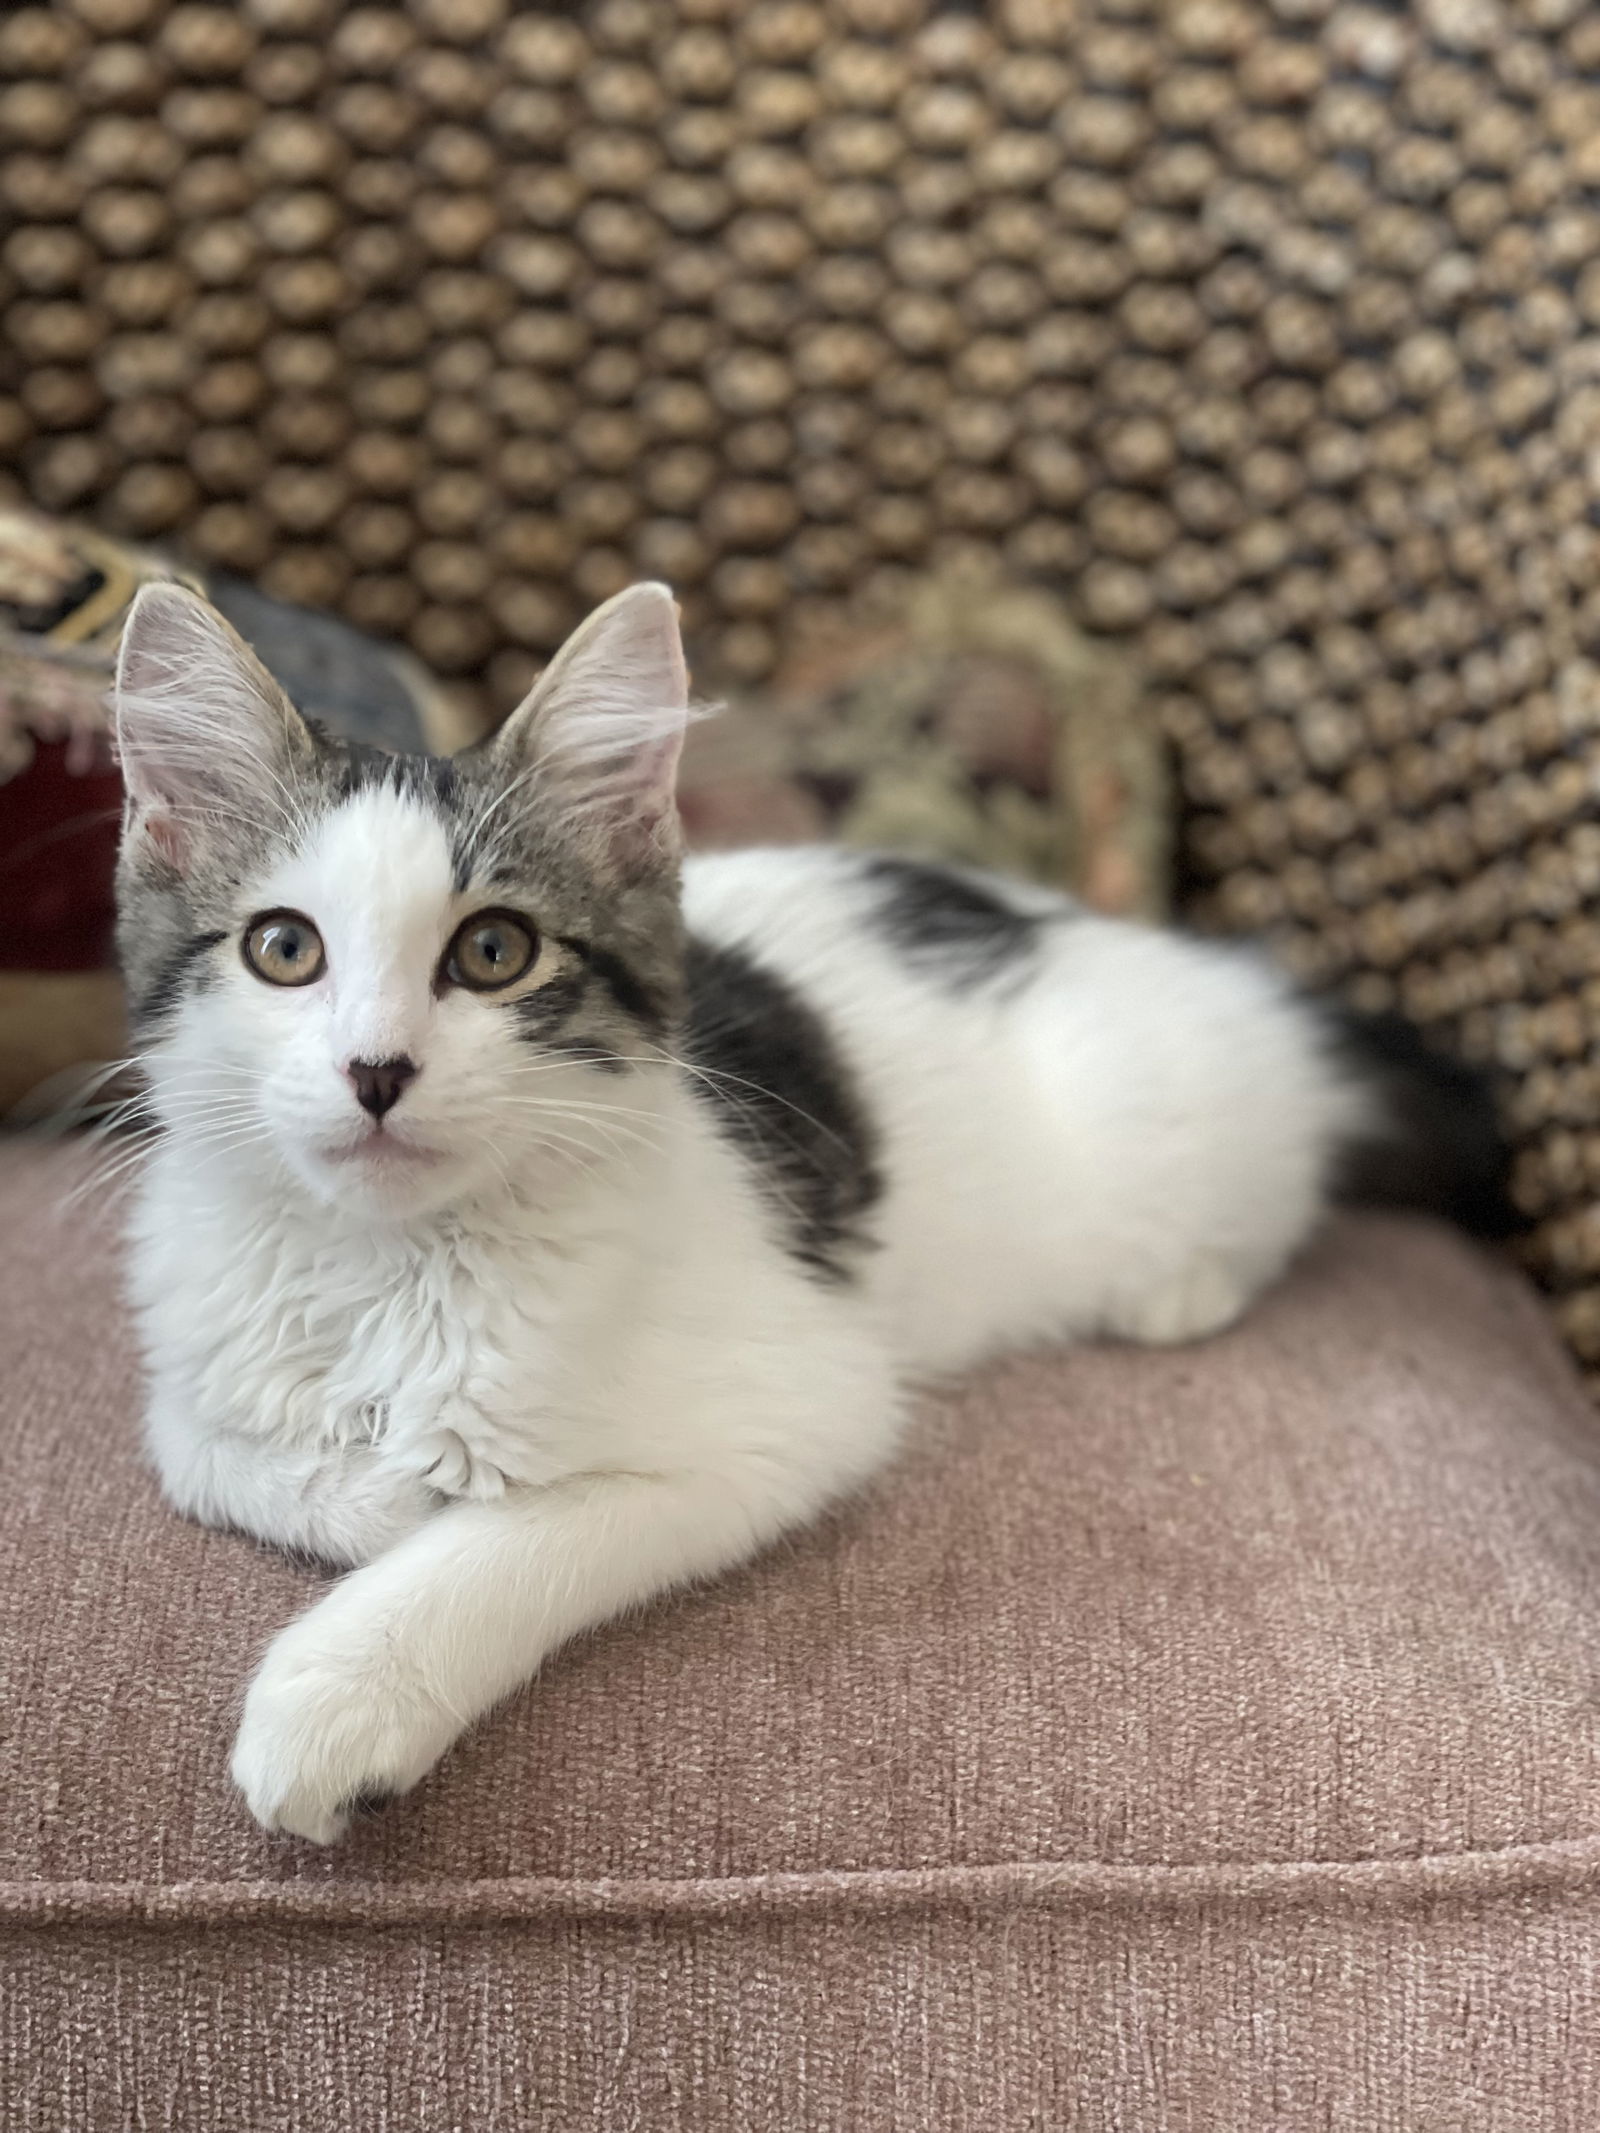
{"x": 58, "y": 851}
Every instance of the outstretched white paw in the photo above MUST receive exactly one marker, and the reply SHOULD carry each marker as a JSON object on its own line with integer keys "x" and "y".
{"x": 1203, "y": 1298}
{"x": 332, "y": 1725}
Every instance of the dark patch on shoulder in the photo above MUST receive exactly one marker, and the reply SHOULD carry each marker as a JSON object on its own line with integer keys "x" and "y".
{"x": 782, "y": 1094}
{"x": 950, "y": 923}
{"x": 172, "y": 977}
{"x": 583, "y": 1051}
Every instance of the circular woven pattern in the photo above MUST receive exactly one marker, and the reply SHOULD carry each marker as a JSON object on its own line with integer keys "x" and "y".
{"x": 1266, "y": 333}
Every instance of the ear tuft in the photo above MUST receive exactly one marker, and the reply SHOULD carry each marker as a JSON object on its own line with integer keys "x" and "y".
{"x": 602, "y": 730}
{"x": 206, "y": 737}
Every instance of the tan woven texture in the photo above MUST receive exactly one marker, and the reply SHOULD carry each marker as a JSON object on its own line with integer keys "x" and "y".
{"x": 1264, "y": 332}
{"x": 1200, "y": 1742}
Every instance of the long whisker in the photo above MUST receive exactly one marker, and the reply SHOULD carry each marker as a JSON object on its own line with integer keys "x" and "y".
{"x": 712, "y": 1076}
{"x": 716, "y": 1078}
{"x": 202, "y": 1126}
{"x": 106, "y": 1176}
{"x": 562, "y": 1145}
{"x": 617, "y": 1135}
{"x": 556, "y": 1107}
{"x": 219, "y": 1135}
{"x": 579, "y": 1109}
{"x": 200, "y": 1067}
{"x": 480, "y": 827}
{"x": 141, "y": 1109}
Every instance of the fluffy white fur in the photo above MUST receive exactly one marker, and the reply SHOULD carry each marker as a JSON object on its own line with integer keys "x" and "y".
{"x": 562, "y": 1360}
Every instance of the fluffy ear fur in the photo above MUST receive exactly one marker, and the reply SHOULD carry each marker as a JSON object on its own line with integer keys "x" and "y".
{"x": 602, "y": 729}
{"x": 206, "y": 737}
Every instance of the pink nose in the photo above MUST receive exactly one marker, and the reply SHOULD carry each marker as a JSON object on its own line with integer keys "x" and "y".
{"x": 379, "y": 1083}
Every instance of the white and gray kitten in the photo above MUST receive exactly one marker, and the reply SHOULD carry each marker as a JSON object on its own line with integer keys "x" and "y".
{"x": 538, "y": 1224}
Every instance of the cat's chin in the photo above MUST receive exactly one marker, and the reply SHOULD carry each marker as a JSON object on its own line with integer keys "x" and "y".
{"x": 383, "y": 1176}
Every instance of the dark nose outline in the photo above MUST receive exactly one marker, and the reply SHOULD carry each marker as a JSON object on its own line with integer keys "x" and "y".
{"x": 379, "y": 1083}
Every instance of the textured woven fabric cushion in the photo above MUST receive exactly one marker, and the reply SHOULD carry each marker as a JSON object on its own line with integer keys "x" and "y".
{"x": 1192, "y": 1740}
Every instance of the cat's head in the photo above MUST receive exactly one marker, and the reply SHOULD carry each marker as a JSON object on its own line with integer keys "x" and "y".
{"x": 395, "y": 976}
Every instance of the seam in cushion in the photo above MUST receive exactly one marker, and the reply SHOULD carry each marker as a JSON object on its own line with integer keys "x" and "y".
{"x": 1564, "y": 1865}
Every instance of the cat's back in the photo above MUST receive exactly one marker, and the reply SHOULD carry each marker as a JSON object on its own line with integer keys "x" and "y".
{"x": 932, "y": 970}
{"x": 841, "y": 924}
{"x": 1047, "y": 1093}
{"x": 885, "y": 1036}
{"x": 874, "y": 998}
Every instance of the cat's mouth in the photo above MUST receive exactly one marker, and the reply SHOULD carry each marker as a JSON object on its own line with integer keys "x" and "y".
{"x": 379, "y": 1151}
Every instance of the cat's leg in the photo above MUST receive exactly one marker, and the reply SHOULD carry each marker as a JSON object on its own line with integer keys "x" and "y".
{"x": 343, "y": 1504}
{"x": 363, "y": 1694}
{"x": 1200, "y": 1298}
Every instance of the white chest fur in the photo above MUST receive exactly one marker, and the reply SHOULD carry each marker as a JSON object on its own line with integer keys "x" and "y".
{"x": 272, "y": 1320}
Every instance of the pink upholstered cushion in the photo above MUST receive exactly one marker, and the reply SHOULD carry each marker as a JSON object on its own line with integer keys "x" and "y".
{"x": 1208, "y": 1732}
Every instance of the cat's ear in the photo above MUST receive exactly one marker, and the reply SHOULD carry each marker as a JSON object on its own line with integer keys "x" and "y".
{"x": 207, "y": 740}
{"x": 602, "y": 730}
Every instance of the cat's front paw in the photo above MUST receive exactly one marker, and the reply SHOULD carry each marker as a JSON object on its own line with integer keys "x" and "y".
{"x": 458, "y": 1451}
{"x": 332, "y": 1725}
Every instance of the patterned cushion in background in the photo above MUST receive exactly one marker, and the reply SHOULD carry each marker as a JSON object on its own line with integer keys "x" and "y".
{"x": 1262, "y": 332}
{"x": 64, "y": 593}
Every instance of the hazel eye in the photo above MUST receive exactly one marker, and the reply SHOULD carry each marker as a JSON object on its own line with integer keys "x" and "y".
{"x": 490, "y": 951}
{"x": 284, "y": 948}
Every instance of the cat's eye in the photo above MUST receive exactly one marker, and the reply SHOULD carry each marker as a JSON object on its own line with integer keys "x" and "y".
{"x": 491, "y": 950}
{"x": 284, "y": 948}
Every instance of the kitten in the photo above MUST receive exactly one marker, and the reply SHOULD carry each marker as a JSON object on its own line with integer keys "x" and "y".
{"x": 538, "y": 1225}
